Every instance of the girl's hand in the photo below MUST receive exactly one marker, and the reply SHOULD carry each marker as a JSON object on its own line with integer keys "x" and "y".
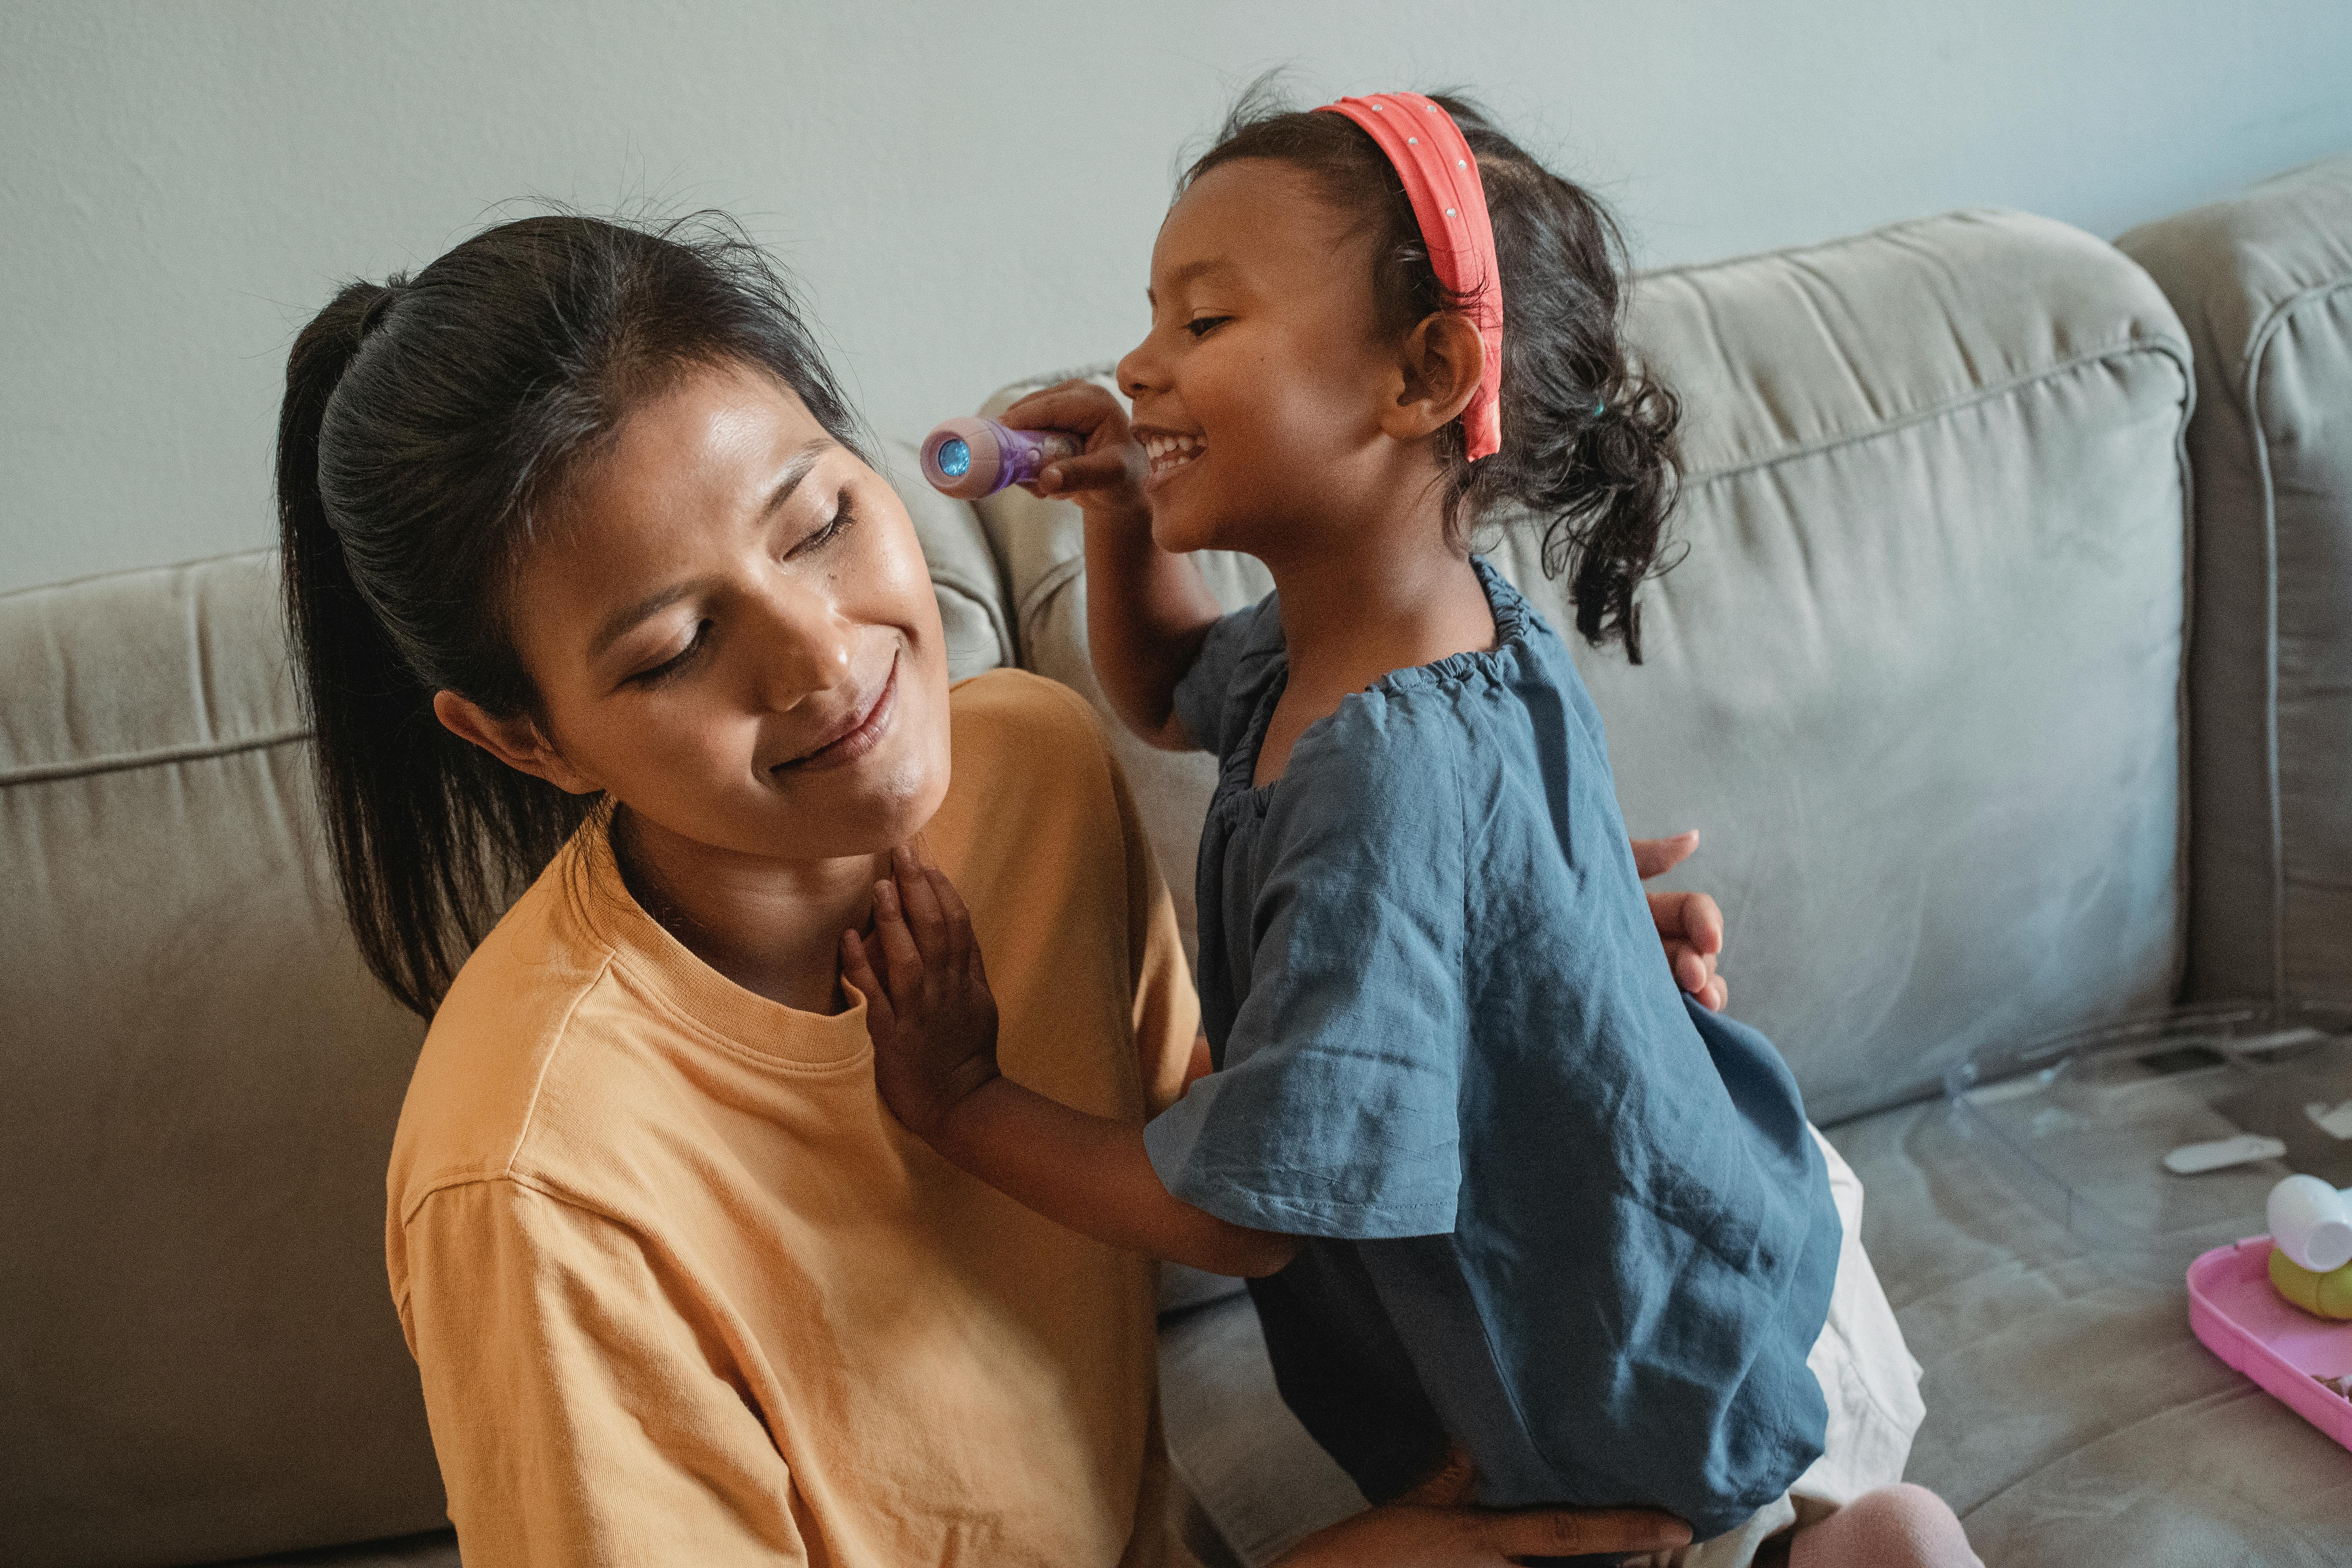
{"x": 1689, "y": 924}
{"x": 1106, "y": 479}
{"x": 928, "y": 1007}
{"x": 1435, "y": 1526}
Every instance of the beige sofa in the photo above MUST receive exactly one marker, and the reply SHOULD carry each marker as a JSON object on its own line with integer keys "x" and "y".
{"x": 1973, "y": 764}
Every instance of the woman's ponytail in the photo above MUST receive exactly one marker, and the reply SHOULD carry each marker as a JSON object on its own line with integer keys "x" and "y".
{"x": 430, "y": 838}
{"x": 423, "y": 422}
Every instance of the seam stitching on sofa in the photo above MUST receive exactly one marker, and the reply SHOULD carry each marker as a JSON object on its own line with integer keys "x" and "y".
{"x": 1049, "y": 583}
{"x": 990, "y": 607}
{"x": 2178, "y": 353}
{"x": 2257, "y": 354}
{"x": 1685, "y": 269}
{"x": 2184, "y": 718}
{"x": 49, "y": 773}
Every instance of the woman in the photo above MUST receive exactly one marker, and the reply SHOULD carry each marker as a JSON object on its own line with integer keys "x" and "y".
{"x": 590, "y": 586}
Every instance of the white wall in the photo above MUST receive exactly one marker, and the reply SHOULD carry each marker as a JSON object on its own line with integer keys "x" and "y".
{"x": 968, "y": 192}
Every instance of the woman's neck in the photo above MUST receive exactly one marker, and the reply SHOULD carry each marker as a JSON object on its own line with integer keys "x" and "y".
{"x": 772, "y": 926}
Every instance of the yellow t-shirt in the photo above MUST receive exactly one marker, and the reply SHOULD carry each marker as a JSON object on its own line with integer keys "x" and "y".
{"x": 681, "y": 1289}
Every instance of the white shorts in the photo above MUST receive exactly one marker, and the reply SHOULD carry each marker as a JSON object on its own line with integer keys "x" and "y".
{"x": 1872, "y": 1387}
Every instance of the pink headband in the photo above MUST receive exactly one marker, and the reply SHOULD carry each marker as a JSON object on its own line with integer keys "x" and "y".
{"x": 1449, "y": 200}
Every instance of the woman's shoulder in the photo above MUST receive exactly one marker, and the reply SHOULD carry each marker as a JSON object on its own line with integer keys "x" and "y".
{"x": 1014, "y": 707}
{"x": 1008, "y": 728}
{"x": 520, "y": 1001}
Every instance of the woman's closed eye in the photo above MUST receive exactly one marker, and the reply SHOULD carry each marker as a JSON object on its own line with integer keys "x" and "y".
{"x": 1202, "y": 326}
{"x": 832, "y": 528}
{"x": 677, "y": 664}
{"x": 844, "y": 517}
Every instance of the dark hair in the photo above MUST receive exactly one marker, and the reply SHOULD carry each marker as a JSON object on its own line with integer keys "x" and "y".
{"x": 1588, "y": 440}
{"x": 426, "y": 422}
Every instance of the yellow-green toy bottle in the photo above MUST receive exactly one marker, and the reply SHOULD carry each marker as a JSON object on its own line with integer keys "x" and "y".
{"x": 2325, "y": 1295}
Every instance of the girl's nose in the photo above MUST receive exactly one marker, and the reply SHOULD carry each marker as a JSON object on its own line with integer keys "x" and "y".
{"x": 1139, "y": 372}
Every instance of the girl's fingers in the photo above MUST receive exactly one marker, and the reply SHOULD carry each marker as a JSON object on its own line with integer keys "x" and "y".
{"x": 961, "y": 945}
{"x": 898, "y": 949}
{"x": 1087, "y": 471}
{"x": 857, "y": 969}
{"x": 922, "y": 905}
{"x": 1077, "y": 406}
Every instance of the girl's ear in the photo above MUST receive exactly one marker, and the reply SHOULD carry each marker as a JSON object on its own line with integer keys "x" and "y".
{"x": 1444, "y": 361}
{"x": 515, "y": 741}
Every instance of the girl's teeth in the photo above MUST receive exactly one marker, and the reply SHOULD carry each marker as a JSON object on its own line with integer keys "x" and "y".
{"x": 1172, "y": 451}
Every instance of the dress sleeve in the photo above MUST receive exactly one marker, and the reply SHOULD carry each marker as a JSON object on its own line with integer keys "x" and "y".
{"x": 1334, "y": 1111}
{"x": 1207, "y": 699}
{"x": 578, "y": 1412}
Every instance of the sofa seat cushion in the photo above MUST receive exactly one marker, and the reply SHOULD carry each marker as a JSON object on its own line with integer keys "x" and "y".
{"x": 2071, "y": 1416}
{"x": 2264, "y": 285}
{"x": 2073, "y": 1420}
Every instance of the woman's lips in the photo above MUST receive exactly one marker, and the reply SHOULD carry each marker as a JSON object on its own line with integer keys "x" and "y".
{"x": 865, "y": 732}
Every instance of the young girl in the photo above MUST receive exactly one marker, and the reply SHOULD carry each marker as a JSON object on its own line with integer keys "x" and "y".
{"x": 1503, "y": 1193}
{"x": 590, "y": 584}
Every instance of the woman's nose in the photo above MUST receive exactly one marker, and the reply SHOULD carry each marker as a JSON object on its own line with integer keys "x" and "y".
{"x": 806, "y": 649}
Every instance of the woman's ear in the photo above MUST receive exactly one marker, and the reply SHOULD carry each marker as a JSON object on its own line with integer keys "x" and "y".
{"x": 515, "y": 741}
{"x": 1444, "y": 359}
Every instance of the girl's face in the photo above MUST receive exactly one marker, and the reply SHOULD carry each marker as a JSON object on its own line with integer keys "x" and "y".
{"x": 1260, "y": 392}
{"x": 732, "y": 632}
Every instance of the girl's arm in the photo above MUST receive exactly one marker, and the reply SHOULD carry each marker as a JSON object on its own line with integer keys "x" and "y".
{"x": 1146, "y": 610}
{"x": 933, "y": 1024}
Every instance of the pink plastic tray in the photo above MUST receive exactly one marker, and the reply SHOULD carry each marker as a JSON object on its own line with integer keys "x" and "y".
{"x": 2233, "y": 1309}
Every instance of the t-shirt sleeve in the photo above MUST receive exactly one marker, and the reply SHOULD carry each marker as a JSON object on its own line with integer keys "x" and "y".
{"x": 577, "y": 1413}
{"x": 1205, "y": 700}
{"x": 1334, "y": 1109}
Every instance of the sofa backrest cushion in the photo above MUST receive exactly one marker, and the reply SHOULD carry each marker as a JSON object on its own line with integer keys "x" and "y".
{"x": 2264, "y": 285}
{"x": 1917, "y": 679}
{"x": 199, "y": 1357}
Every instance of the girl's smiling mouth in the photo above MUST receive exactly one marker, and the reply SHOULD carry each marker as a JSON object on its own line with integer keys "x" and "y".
{"x": 1169, "y": 451}
{"x": 854, "y": 734}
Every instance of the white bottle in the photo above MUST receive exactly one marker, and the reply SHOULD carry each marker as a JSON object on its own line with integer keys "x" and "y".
{"x": 2310, "y": 1222}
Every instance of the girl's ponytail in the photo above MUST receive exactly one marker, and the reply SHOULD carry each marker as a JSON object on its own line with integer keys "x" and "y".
{"x": 1587, "y": 439}
{"x": 424, "y": 423}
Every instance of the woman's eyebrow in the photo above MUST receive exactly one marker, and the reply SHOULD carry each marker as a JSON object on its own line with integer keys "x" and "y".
{"x": 797, "y": 468}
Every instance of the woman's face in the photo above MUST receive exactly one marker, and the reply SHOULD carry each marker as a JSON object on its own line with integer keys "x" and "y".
{"x": 731, "y": 631}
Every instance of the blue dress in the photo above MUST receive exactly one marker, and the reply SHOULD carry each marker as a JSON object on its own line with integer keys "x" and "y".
{"x": 1554, "y": 1211}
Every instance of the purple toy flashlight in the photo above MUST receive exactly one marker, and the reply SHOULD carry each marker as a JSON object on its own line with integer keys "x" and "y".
{"x": 970, "y": 458}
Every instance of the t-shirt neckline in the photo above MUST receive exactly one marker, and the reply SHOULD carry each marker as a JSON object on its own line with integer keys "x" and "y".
{"x": 666, "y": 969}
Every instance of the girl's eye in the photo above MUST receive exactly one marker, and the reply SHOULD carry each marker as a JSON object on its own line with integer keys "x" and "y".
{"x": 660, "y": 674}
{"x": 1202, "y": 326}
{"x": 843, "y": 515}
